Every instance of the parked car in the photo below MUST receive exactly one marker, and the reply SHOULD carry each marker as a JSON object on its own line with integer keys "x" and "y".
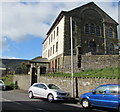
{"x": 103, "y": 96}
{"x": 50, "y": 92}
{"x": 2, "y": 85}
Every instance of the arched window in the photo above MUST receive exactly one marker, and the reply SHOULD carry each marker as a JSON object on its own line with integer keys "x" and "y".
{"x": 98, "y": 30}
{"x": 92, "y": 28}
{"x": 73, "y": 26}
{"x": 86, "y": 28}
{"x": 110, "y": 32}
{"x": 92, "y": 46}
{"x": 111, "y": 48}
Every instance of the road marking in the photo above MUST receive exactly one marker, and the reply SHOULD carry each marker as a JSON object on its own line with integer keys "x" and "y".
{"x": 17, "y": 103}
{"x": 42, "y": 110}
{"x": 76, "y": 105}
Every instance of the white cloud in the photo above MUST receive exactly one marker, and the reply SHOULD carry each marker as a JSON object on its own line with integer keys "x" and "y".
{"x": 19, "y": 20}
{"x": 3, "y": 45}
{"x": 60, "y": 0}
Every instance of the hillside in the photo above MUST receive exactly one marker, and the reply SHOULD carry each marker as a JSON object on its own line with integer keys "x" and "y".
{"x": 11, "y": 63}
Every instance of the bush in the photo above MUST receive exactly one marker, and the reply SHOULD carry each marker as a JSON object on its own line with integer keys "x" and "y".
{"x": 12, "y": 86}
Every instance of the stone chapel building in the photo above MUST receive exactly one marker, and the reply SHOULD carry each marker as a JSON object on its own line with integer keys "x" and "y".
{"x": 94, "y": 34}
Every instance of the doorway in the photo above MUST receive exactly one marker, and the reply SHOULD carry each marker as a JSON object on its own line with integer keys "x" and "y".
{"x": 34, "y": 76}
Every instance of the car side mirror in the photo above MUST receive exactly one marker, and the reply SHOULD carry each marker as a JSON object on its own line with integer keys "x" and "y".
{"x": 93, "y": 92}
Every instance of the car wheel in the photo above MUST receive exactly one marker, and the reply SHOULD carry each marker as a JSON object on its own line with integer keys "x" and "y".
{"x": 31, "y": 94}
{"x": 85, "y": 103}
{"x": 50, "y": 98}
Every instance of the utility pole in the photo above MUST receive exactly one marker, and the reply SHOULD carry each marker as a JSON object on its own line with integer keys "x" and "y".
{"x": 72, "y": 81}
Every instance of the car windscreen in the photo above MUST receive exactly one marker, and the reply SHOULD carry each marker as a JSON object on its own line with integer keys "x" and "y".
{"x": 52, "y": 86}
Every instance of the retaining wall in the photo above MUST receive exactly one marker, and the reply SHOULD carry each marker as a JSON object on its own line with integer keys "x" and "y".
{"x": 81, "y": 85}
{"x": 23, "y": 81}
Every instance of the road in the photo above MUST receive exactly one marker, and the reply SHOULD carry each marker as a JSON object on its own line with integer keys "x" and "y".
{"x": 18, "y": 101}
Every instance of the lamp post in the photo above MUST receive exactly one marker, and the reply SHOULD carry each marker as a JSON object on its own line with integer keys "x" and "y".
{"x": 72, "y": 81}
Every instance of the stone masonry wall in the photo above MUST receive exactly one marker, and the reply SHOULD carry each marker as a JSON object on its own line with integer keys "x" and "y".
{"x": 81, "y": 85}
{"x": 99, "y": 61}
{"x": 23, "y": 81}
{"x": 91, "y": 62}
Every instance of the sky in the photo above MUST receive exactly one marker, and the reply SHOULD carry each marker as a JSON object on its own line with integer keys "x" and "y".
{"x": 24, "y": 23}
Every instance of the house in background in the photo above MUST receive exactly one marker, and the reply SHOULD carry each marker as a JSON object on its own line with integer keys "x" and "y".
{"x": 94, "y": 33}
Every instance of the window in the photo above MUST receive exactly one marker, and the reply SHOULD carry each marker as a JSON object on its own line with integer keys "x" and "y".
{"x": 73, "y": 26}
{"x": 54, "y": 34}
{"x": 52, "y": 86}
{"x": 114, "y": 90}
{"x": 42, "y": 86}
{"x": 92, "y": 46}
{"x": 92, "y": 28}
{"x": 56, "y": 46}
{"x": 36, "y": 85}
{"x": 58, "y": 63}
{"x": 39, "y": 86}
{"x": 86, "y": 28}
{"x": 111, "y": 48}
{"x": 101, "y": 90}
{"x": 51, "y": 51}
{"x": 57, "y": 31}
{"x": 48, "y": 53}
{"x": 49, "y": 40}
{"x": 98, "y": 30}
{"x": 110, "y": 32}
{"x": 53, "y": 48}
{"x": 51, "y": 37}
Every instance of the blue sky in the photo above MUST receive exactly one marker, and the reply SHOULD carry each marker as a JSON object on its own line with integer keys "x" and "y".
{"x": 25, "y": 24}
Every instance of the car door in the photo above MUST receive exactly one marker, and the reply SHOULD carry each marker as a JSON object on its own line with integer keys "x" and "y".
{"x": 111, "y": 99}
{"x": 96, "y": 98}
{"x": 35, "y": 89}
{"x": 42, "y": 90}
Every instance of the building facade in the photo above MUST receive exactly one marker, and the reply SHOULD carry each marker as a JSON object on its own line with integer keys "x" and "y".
{"x": 94, "y": 33}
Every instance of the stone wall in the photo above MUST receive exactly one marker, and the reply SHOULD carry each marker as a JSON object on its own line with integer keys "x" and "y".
{"x": 81, "y": 85}
{"x": 99, "y": 61}
{"x": 91, "y": 62}
{"x": 23, "y": 81}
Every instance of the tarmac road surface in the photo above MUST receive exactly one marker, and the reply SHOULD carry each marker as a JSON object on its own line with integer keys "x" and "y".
{"x": 18, "y": 100}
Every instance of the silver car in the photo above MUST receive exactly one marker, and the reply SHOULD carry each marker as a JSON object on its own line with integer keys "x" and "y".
{"x": 2, "y": 85}
{"x": 50, "y": 92}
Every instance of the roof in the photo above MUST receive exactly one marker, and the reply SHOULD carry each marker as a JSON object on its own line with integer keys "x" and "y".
{"x": 38, "y": 57}
{"x": 40, "y": 60}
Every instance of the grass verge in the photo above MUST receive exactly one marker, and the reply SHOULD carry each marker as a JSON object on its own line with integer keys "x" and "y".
{"x": 104, "y": 72}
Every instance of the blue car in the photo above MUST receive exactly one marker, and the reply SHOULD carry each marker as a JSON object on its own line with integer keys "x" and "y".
{"x": 107, "y": 95}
